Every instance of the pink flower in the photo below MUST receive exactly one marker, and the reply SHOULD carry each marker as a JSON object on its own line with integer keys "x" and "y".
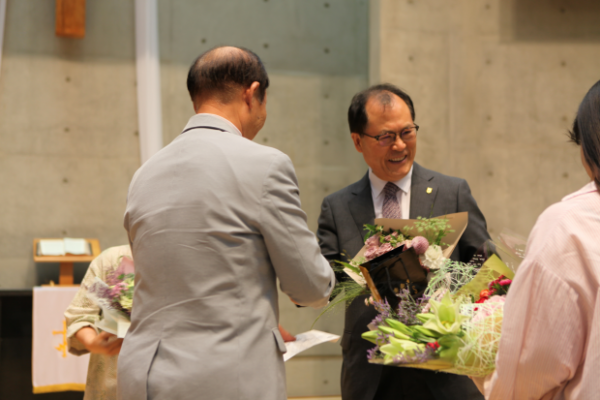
{"x": 388, "y": 238}
{"x": 384, "y": 249}
{"x": 372, "y": 241}
{"x": 117, "y": 289}
{"x": 505, "y": 282}
{"x": 371, "y": 253}
{"x": 420, "y": 244}
{"x": 395, "y": 234}
{"x": 488, "y": 308}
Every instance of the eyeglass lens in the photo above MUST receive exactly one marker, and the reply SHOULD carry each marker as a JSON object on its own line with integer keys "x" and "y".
{"x": 406, "y": 135}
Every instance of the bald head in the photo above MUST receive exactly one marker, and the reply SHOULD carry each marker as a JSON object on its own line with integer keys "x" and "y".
{"x": 221, "y": 72}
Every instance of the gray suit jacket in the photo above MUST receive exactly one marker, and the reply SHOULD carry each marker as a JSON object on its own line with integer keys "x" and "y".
{"x": 213, "y": 220}
{"x": 341, "y": 230}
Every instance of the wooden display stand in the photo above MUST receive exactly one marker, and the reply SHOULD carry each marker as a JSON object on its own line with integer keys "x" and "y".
{"x": 66, "y": 262}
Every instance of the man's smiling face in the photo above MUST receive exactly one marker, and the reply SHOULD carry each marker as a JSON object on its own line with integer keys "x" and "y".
{"x": 393, "y": 162}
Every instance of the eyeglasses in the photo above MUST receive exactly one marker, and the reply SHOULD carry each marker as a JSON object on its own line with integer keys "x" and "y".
{"x": 406, "y": 135}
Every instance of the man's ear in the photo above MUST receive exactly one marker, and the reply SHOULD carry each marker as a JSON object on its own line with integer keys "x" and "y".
{"x": 249, "y": 93}
{"x": 357, "y": 139}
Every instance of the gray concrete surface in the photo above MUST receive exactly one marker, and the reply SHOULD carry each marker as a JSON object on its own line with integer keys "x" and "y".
{"x": 493, "y": 107}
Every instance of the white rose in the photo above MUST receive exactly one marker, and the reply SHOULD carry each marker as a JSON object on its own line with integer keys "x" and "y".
{"x": 433, "y": 258}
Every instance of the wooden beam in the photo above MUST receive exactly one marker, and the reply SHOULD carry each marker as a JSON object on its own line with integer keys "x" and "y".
{"x": 65, "y": 276}
{"x": 70, "y": 18}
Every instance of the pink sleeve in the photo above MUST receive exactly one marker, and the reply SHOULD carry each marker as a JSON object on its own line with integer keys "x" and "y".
{"x": 542, "y": 337}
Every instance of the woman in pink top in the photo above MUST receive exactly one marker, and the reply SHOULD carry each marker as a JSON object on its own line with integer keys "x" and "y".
{"x": 550, "y": 345}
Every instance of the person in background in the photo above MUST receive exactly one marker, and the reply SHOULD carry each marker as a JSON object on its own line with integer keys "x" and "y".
{"x": 82, "y": 335}
{"x": 550, "y": 344}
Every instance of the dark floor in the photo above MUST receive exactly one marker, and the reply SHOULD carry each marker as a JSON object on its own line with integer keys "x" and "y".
{"x": 15, "y": 350}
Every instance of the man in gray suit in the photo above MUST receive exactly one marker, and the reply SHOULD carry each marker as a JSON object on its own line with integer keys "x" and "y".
{"x": 382, "y": 125}
{"x": 214, "y": 220}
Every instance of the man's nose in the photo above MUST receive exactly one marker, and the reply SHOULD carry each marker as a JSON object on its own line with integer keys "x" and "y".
{"x": 398, "y": 144}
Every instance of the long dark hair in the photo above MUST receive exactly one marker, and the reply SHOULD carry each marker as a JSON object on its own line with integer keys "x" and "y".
{"x": 586, "y": 130}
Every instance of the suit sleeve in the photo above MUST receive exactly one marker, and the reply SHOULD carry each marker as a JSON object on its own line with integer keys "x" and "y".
{"x": 327, "y": 233}
{"x": 304, "y": 274}
{"x": 476, "y": 233}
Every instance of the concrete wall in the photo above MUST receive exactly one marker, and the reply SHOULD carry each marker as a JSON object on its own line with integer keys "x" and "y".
{"x": 68, "y": 126}
{"x": 496, "y": 85}
{"x": 68, "y": 122}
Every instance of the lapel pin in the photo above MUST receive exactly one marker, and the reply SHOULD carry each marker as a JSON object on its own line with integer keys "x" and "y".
{"x": 429, "y": 190}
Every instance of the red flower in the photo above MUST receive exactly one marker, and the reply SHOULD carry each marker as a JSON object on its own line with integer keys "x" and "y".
{"x": 434, "y": 345}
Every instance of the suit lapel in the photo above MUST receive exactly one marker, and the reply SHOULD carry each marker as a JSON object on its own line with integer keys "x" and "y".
{"x": 423, "y": 191}
{"x": 361, "y": 206}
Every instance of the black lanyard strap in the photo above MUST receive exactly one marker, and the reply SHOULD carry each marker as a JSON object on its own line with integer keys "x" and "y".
{"x": 204, "y": 127}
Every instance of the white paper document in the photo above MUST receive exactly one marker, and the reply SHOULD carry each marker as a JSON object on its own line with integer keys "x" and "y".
{"x": 306, "y": 340}
{"x": 61, "y": 247}
{"x": 76, "y": 246}
{"x": 53, "y": 247}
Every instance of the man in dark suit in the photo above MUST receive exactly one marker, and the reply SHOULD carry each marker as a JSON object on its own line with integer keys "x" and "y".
{"x": 382, "y": 125}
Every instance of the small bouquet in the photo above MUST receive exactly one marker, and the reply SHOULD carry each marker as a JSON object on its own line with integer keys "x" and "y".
{"x": 115, "y": 297}
{"x": 400, "y": 254}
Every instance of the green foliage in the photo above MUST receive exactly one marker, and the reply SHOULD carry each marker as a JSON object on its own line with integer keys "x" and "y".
{"x": 340, "y": 265}
{"x": 343, "y": 292}
{"x": 372, "y": 230}
{"x": 433, "y": 229}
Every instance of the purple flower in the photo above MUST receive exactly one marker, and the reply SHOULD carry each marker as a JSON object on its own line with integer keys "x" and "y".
{"x": 372, "y": 353}
{"x": 100, "y": 290}
{"x": 372, "y": 241}
{"x": 384, "y": 308}
{"x": 378, "y": 320}
{"x": 420, "y": 244}
{"x": 418, "y": 358}
{"x": 117, "y": 289}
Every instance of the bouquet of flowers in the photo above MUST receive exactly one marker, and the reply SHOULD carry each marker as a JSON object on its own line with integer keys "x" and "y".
{"x": 455, "y": 327}
{"x": 115, "y": 297}
{"x": 452, "y": 322}
{"x": 398, "y": 255}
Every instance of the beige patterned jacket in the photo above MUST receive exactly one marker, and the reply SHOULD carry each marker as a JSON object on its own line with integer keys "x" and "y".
{"x": 102, "y": 371}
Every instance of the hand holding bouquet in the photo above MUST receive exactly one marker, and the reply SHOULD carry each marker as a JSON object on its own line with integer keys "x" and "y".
{"x": 115, "y": 298}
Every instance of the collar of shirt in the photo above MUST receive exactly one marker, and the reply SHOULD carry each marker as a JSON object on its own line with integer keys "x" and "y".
{"x": 378, "y": 184}
{"x": 206, "y": 119}
{"x": 589, "y": 188}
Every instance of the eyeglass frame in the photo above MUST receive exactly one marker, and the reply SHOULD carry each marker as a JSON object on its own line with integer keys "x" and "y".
{"x": 396, "y": 135}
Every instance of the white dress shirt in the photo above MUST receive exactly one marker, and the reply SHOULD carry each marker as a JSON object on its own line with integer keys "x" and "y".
{"x": 403, "y": 194}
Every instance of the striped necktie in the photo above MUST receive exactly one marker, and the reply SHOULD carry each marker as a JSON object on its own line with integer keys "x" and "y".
{"x": 391, "y": 205}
